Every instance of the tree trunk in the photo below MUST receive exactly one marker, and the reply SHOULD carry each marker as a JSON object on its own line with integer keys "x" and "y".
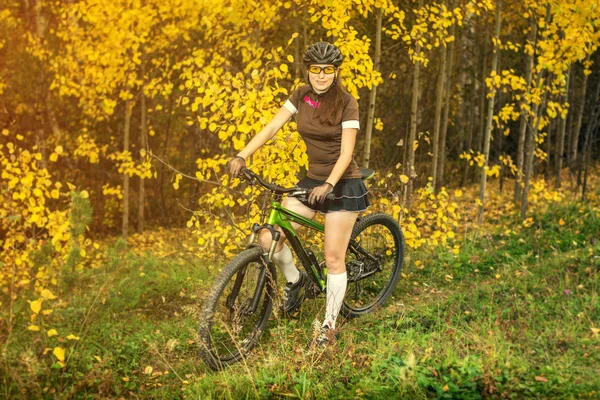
{"x": 462, "y": 80}
{"x": 501, "y": 141}
{"x": 41, "y": 25}
{"x": 297, "y": 50}
{"x": 439, "y": 96}
{"x": 126, "y": 125}
{"x": 488, "y": 128}
{"x": 143, "y": 146}
{"x": 482, "y": 93}
{"x": 531, "y": 142}
{"x": 587, "y": 146}
{"x": 409, "y": 168}
{"x": 373, "y": 94}
{"x": 560, "y": 142}
{"x": 531, "y": 138}
{"x": 524, "y": 115}
{"x": 547, "y": 169}
{"x": 572, "y": 159}
{"x": 472, "y": 113}
{"x": 444, "y": 130}
{"x": 166, "y": 216}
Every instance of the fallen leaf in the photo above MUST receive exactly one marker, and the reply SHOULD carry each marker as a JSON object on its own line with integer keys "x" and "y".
{"x": 541, "y": 379}
{"x": 59, "y": 353}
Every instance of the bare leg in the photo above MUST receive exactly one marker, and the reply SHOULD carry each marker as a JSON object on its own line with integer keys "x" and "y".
{"x": 338, "y": 229}
{"x": 283, "y": 256}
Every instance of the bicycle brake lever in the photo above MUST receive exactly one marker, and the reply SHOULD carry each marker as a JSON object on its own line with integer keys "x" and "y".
{"x": 248, "y": 176}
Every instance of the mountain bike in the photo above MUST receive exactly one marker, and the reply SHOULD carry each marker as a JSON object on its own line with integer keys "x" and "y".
{"x": 240, "y": 302}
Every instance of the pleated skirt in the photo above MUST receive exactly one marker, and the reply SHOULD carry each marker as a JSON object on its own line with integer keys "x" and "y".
{"x": 350, "y": 195}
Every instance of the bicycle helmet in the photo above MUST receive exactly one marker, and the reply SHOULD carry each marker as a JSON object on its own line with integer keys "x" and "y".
{"x": 323, "y": 53}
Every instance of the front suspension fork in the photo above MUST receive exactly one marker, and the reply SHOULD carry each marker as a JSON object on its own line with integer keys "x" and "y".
{"x": 262, "y": 277}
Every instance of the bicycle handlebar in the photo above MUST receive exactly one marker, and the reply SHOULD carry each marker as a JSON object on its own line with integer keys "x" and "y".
{"x": 253, "y": 178}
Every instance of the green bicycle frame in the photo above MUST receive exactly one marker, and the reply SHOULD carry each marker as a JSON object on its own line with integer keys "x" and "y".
{"x": 283, "y": 217}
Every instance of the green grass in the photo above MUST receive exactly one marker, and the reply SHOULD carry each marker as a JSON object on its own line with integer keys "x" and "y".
{"x": 510, "y": 316}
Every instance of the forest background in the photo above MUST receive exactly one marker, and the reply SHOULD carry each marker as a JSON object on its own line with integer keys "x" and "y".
{"x": 117, "y": 119}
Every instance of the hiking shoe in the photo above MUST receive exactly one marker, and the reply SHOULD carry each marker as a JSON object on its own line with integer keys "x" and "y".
{"x": 292, "y": 299}
{"x": 326, "y": 337}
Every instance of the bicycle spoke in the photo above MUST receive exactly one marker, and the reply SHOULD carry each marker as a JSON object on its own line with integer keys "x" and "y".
{"x": 372, "y": 262}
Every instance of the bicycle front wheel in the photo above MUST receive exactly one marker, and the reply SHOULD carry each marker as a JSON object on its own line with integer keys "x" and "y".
{"x": 374, "y": 263}
{"x": 237, "y": 309}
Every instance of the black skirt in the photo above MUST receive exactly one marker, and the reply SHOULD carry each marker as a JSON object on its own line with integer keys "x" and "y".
{"x": 350, "y": 195}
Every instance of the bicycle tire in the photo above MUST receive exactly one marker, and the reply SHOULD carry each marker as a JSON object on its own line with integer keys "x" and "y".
{"x": 386, "y": 228}
{"x": 209, "y": 337}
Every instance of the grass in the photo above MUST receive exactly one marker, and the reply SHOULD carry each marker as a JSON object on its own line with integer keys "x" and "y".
{"x": 511, "y": 316}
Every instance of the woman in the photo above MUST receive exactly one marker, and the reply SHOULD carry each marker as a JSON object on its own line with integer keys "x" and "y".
{"x": 327, "y": 119}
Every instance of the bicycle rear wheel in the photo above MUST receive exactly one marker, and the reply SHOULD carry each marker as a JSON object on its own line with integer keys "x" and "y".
{"x": 230, "y": 328}
{"x": 374, "y": 263}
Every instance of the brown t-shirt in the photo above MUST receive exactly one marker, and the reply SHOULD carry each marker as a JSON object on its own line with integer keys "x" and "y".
{"x": 323, "y": 142}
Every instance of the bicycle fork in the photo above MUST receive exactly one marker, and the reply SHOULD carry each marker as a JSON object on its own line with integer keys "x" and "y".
{"x": 249, "y": 309}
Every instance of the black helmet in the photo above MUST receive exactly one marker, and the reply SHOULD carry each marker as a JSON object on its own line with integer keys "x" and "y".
{"x": 323, "y": 53}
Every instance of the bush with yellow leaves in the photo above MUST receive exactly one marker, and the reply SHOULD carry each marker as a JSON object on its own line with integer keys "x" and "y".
{"x": 42, "y": 232}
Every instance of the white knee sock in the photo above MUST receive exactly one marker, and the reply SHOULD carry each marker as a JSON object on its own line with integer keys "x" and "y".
{"x": 336, "y": 290}
{"x": 285, "y": 261}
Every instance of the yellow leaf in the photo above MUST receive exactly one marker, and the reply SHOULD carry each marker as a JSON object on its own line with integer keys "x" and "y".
{"x": 54, "y": 194}
{"x": 290, "y": 58}
{"x": 98, "y": 358}
{"x": 53, "y": 157}
{"x": 458, "y": 193}
{"x": 184, "y": 100}
{"x": 52, "y": 332}
{"x": 85, "y": 194}
{"x": 284, "y": 68}
{"x": 126, "y": 378}
{"x": 403, "y": 178}
{"x": 148, "y": 370}
{"x": 48, "y": 295}
{"x": 5, "y": 132}
{"x": 59, "y": 353}
{"x": 36, "y": 306}
{"x": 33, "y": 328}
{"x": 58, "y": 150}
{"x": 72, "y": 337}
{"x": 561, "y": 222}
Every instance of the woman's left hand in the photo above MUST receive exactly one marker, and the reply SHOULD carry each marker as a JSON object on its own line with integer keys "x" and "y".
{"x": 318, "y": 194}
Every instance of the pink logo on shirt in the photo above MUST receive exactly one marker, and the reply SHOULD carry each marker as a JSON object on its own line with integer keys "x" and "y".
{"x": 312, "y": 103}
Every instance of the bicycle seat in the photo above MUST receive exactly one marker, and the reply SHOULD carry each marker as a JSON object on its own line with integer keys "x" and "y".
{"x": 366, "y": 173}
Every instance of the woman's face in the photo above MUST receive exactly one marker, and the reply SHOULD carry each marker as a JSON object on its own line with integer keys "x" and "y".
{"x": 321, "y": 81}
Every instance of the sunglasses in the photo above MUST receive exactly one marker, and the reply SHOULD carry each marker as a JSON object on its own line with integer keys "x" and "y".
{"x": 313, "y": 69}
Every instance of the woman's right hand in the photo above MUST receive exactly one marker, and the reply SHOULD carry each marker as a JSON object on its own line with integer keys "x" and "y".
{"x": 235, "y": 165}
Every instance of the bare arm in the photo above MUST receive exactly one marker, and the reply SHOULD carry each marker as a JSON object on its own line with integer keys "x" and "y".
{"x": 346, "y": 152}
{"x": 266, "y": 133}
